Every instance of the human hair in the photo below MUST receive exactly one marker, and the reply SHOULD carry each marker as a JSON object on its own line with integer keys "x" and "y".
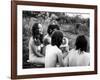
{"x": 51, "y": 28}
{"x": 46, "y": 42}
{"x": 35, "y": 32}
{"x": 81, "y": 43}
{"x": 56, "y": 38}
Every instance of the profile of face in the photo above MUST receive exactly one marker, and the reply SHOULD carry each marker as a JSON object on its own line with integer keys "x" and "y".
{"x": 52, "y": 28}
{"x": 37, "y": 31}
{"x": 64, "y": 41}
{"x": 40, "y": 28}
{"x": 54, "y": 22}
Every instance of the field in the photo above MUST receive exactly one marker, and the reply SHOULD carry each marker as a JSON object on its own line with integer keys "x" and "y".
{"x": 71, "y": 27}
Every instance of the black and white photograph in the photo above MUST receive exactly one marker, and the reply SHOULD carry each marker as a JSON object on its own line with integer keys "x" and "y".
{"x": 55, "y": 39}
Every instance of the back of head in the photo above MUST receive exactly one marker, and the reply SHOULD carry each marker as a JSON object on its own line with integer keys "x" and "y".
{"x": 56, "y": 38}
{"x": 81, "y": 43}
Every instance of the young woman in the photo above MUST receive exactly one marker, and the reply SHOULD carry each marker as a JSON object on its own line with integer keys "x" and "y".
{"x": 54, "y": 55}
{"x": 35, "y": 44}
{"x": 78, "y": 56}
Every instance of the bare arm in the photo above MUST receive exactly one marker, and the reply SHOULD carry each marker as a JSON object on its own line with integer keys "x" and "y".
{"x": 66, "y": 61}
{"x": 60, "y": 59}
{"x": 36, "y": 52}
{"x": 33, "y": 49}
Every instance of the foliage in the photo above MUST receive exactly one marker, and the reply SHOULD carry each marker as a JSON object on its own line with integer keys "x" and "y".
{"x": 71, "y": 26}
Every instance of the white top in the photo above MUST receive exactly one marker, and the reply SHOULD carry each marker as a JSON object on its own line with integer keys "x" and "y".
{"x": 53, "y": 56}
{"x": 74, "y": 58}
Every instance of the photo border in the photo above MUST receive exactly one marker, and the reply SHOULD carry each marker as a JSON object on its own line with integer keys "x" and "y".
{"x": 14, "y": 38}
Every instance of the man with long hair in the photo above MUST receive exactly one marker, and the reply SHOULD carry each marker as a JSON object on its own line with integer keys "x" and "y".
{"x": 54, "y": 55}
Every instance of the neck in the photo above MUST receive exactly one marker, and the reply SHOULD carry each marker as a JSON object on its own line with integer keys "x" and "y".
{"x": 80, "y": 52}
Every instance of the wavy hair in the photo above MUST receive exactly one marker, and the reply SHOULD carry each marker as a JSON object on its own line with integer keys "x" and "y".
{"x": 35, "y": 32}
{"x": 51, "y": 28}
{"x": 56, "y": 38}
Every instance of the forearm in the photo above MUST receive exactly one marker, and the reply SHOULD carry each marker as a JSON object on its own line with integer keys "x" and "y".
{"x": 39, "y": 54}
{"x": 62, "y": 64}
{"x": 61, "y": 61}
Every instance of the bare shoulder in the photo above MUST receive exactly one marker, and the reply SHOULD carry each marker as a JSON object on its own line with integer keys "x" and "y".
{"x": 87, "y": 55}
{"x": 72, "y": 51}
{"x": 59, "y": 52}
{"x": 30, "y": 40}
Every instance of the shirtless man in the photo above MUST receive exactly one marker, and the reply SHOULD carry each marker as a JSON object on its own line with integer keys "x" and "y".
{"x": 54, "y": 55}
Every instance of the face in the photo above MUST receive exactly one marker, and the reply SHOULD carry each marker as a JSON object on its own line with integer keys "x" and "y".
{"x": 64, "y": 41}
{"x": 54, "y": 22}
{"x": 40, "y": 29}
{"x": 51, "y": 31}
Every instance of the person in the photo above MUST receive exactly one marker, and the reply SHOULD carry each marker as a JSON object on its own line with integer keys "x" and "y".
{"x": 78, "y": 56}
{"x": 53, "y": 56}
{"x": 47, "y": 38}
{"x": 50, "y": 30}
{"x": 35, "y": 44}
{"x": 65, "y": 47}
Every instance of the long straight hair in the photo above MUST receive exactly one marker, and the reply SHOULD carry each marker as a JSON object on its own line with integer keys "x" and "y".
{"x": 81, "y": 43}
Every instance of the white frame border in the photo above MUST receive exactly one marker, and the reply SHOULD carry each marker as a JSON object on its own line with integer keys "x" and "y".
{"x": 21, "y": 71}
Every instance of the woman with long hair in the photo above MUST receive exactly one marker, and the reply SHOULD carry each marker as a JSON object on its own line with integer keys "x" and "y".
{"x": 54, "y": 56}
{"x": 78, "y": 56}
{"x": 35, "y": 45}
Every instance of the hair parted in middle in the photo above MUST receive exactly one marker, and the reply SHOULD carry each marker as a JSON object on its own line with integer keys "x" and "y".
{"x": 35, "y": 32}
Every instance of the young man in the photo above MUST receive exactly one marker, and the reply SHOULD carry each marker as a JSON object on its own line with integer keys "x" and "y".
{"x": 47, "y": 38}
{"x": 50, "y": 30}
{"x": 54, "y": 55}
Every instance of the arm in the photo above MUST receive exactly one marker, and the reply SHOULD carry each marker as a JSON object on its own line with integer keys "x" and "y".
{"x": 65, "y": 51}
{"x": 33, "y": 49}
{"x": 60, "y": 59}
{"x": 66, "y": 61}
